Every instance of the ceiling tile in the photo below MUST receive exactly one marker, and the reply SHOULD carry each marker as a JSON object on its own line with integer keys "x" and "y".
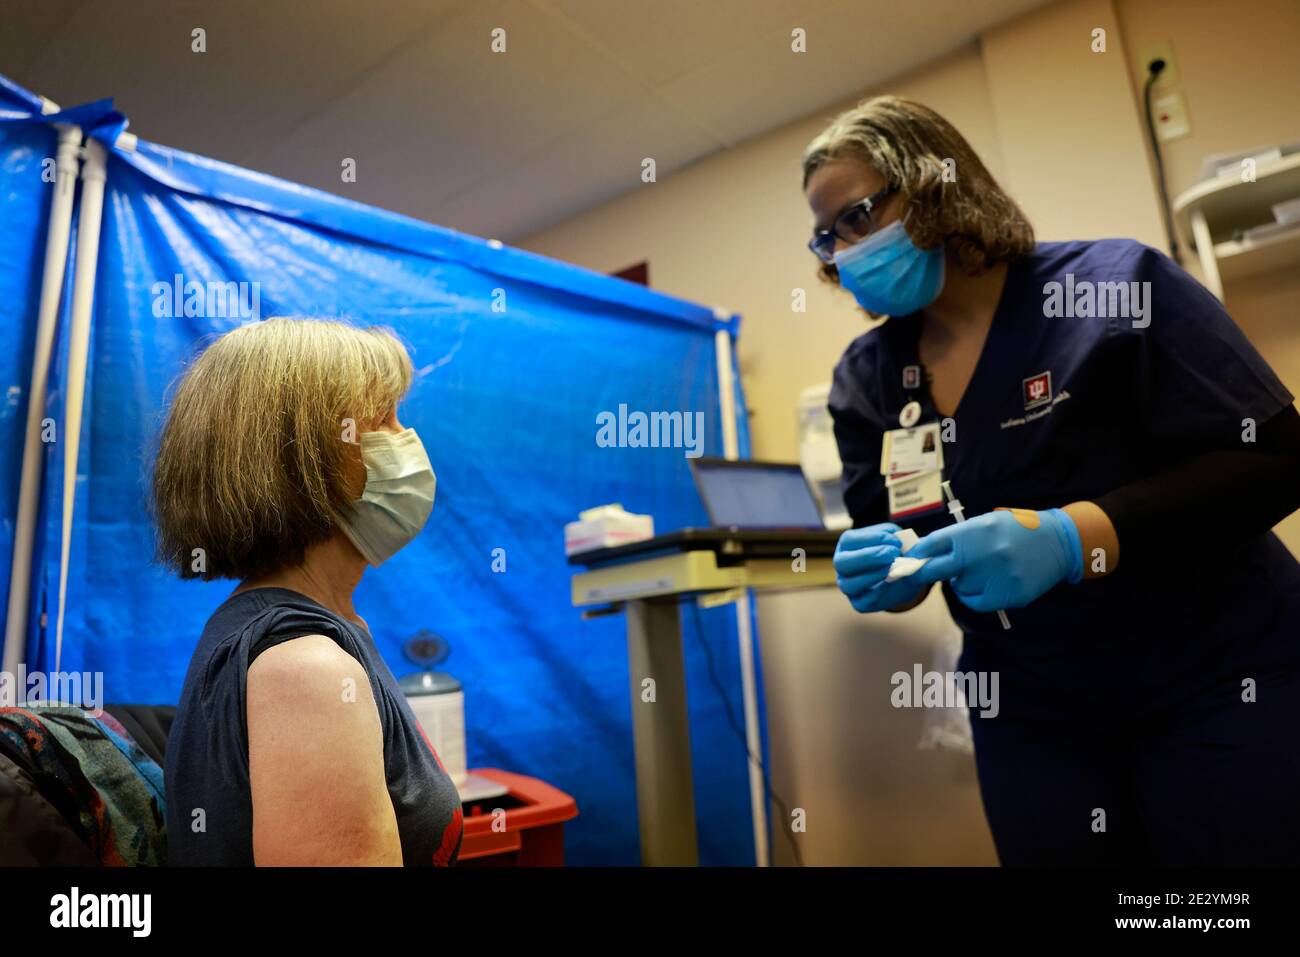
{"x": 547, "y": 188}
{"x": 766, "y": 84}
{"x": 661, "y": 39}
{"x": 29, "y": 28}
{"x": 443, "y": 128}
{"x": 266, "y": 65}
{"x": 449, "y": 115}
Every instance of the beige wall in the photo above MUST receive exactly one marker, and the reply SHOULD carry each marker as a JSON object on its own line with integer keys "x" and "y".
{"x": 1071, "y": 142}
{"x": 731, "y": 231}
{"x": 1060, "y": 128}
{"x": 1237, "y": 68}
{"x": 1238, "y": 76}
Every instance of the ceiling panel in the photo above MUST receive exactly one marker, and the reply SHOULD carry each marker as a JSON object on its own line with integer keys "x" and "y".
{"x": 661, "y": 39}
{"x": 449, "y": 115}
{"x": 601, "y": 162}
{"x": 266, "y": 65}
{"x": 444, "y": 129}
{"x": 29, "y": 29}
{"x": 765, "y": 84}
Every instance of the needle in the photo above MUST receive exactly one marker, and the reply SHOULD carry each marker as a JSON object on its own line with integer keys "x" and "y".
{"x": 955, "y": 509}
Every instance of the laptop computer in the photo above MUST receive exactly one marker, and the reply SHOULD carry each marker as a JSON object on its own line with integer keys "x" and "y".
{"x": 757, "y": 510}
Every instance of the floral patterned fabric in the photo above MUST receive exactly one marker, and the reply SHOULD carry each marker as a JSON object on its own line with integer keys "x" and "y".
{"x": 92, "y": 771}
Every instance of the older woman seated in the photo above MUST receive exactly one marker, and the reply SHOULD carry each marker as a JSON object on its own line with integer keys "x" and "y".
{"x": 282, "y": 465}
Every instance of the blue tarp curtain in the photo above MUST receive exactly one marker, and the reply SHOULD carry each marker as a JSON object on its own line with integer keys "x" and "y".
{"x": 27, "y": 150}
{"x": 506, "y": 402}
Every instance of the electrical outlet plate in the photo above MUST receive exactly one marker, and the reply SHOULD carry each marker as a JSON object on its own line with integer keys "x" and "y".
{"x": 1170, "y": 114}
{"x": 1163, "y": 50}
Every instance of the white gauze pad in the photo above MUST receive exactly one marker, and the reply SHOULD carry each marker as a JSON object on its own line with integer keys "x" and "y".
{"x": 904, "y": 566}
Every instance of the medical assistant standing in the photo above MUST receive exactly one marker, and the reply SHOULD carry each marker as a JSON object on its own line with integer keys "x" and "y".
{"x": 1164, "y": 694}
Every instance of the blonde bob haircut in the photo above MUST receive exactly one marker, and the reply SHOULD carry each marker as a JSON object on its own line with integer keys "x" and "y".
{"x": 907, "y": 144}
{"x": 257, "y": 455}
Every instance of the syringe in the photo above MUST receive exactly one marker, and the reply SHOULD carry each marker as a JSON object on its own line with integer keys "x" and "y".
{"x": 955, "y": 510}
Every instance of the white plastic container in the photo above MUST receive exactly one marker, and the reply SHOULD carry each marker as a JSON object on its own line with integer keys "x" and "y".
{"x": 439, "y": 705}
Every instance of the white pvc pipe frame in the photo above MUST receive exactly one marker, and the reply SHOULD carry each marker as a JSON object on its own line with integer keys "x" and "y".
{"x": 93, "y": 174}
{"x": 744, "y": 623}
{"x": 56, "y": 259}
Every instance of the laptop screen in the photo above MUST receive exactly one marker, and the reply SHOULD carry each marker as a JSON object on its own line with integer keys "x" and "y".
{"x": 756, "y": 494}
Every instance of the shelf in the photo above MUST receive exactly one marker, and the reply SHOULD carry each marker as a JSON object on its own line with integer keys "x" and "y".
{"x": 1210, "y": 213}
{"x": 1239, "y": 258}
{"x": 1229, "y": 204}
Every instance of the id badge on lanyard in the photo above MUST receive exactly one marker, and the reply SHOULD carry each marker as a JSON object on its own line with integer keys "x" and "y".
{"x": 911, "y": 457}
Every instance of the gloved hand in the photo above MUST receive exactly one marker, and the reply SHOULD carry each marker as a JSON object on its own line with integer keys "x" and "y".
{"x": 862, "y": 560}
{"x": 1004, "y": 559}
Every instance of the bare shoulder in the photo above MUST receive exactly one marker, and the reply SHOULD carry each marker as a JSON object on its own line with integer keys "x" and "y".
{"x": 312, "y": 723}
{"x": 304, "y": 668}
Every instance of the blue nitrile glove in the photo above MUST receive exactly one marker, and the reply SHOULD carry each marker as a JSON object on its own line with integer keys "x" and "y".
{"x": 1004, "y": 559}
{"x": 862, "y": 560}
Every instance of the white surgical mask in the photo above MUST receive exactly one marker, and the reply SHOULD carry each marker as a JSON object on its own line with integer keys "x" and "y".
{"x": 398, "y": 496}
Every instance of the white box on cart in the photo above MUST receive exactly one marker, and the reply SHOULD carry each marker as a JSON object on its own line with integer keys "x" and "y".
{"x": 605, "y": 527}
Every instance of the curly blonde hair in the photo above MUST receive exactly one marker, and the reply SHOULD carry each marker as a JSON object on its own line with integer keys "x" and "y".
{"x": 907, "y": 144}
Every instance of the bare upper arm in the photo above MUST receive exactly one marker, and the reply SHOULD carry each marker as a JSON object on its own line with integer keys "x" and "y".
{"x": 316, "y": 760}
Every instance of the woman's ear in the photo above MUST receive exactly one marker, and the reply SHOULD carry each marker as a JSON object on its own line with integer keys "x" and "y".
{"x": 355, "y": 473}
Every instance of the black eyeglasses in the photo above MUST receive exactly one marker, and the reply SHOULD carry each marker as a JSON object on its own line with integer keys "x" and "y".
{"x": 853, "y": 225}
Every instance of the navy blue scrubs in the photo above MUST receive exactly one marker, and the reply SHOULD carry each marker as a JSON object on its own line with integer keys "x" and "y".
{"x": 1121, "y": 693}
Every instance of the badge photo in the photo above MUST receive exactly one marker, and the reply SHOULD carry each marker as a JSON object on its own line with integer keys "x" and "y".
{"x": 912, "y": 450}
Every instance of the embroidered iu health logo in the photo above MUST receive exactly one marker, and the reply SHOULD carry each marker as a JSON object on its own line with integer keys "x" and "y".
{"x": 1037, "y": 390}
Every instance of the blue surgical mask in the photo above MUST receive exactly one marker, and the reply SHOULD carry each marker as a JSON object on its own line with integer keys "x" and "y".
{"x": 888, "y": 275}
{"x": 398, "y": 496}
